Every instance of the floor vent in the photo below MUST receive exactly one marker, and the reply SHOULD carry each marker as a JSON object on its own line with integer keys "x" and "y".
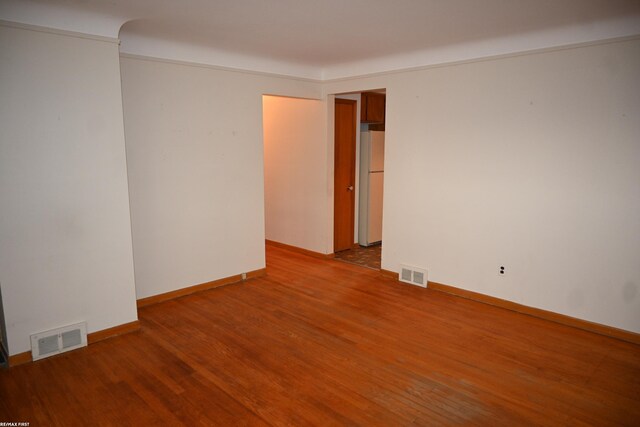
{"x": 55, "y": 341}
{"x": 413, "y": 275}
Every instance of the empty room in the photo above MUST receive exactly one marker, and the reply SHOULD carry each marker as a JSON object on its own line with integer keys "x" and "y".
{"x": 295, "y": 212}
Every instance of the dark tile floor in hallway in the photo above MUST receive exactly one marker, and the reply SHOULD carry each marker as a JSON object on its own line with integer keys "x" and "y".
{"x": 360, "y": 255}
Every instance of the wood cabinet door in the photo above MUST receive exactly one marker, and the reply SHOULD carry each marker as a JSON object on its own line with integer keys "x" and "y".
{"x": 375, "y": 107}
{"x": 372, "y": 107}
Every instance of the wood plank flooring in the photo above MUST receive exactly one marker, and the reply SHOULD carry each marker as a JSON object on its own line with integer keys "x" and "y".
{"x": 320, "y": 342}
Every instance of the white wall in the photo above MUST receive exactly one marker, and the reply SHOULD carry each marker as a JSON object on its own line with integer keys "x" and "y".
{"x": 65, "y": 235}
{"x": 531, "y": 162}
{"x": 295, "y": 174}
{"x": 196, "y": 178}
{"x": 528, "y": 161}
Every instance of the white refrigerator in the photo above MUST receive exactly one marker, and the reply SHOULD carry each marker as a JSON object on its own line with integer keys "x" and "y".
{"x": 371, "y": 183}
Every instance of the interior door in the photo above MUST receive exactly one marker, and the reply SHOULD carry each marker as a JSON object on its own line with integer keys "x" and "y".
{"x": 344, "y": 174}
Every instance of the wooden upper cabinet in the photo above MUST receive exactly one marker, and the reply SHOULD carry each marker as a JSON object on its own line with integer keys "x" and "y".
{"x": 372, "y": 107}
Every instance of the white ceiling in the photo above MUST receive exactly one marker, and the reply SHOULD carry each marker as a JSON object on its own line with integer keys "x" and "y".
{"x": 333, "y": 38}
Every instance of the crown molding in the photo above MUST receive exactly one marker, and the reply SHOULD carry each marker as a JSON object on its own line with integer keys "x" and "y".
{"x": 217, "y": 67}
{"x": 58, "y": 32}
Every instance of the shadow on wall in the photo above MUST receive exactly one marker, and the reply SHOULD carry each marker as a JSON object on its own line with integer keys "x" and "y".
{"x": 3, "y": 332}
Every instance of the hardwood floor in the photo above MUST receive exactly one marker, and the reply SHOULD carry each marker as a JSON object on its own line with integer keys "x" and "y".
{"x": 320, "y": 342}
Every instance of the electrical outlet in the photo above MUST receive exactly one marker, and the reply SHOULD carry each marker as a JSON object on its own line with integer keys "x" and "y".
{"x": 501, "y": 269}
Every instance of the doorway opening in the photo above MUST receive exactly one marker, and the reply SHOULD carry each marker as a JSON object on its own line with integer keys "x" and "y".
{"x": 295, "y": 174}
{"x": 300, "y": 214}
{"x": 359, "y": 177}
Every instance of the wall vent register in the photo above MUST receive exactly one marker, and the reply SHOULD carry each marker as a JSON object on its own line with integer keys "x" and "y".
{"x": 60, "y": 340}
{"x": 413, "y": 275}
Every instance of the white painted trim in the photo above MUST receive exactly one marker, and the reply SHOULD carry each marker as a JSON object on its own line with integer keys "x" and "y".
{"x": 485, "y": 58}
{"x": 37, "y": 28}
{"x": 216, "y": 67}
{"x": 383, "y": 73}
{"x": 48, "y": 30}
